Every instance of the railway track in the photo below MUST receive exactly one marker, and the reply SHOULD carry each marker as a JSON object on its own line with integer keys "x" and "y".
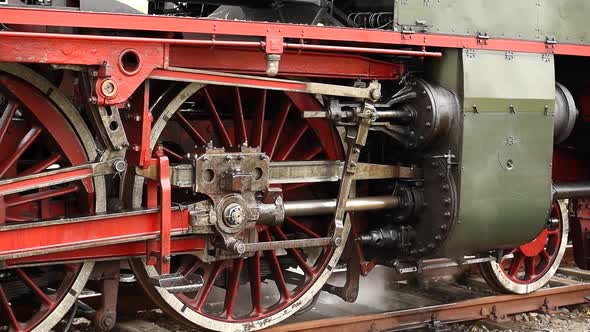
{"x": 441, "y": 302}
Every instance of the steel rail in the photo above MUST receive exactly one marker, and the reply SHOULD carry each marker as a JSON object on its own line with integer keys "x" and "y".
{"x": 491, "y": 307}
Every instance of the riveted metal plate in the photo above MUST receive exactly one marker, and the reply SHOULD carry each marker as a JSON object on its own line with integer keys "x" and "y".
{"x": 494, "y": 19}
{"x": 505, "y": 187}
{"x": 565, "y": 20}
{"x": 562, "y": 21}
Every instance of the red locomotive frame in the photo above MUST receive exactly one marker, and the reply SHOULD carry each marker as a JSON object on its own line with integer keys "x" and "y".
{"x": 233, "y": 54}
{"x": 160, "y": 58}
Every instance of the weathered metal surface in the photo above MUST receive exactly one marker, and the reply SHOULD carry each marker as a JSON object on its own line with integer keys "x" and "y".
{"x": 561, "y": 21}
{"x": 507, "y": 150}
{"x": 286, "y": 172}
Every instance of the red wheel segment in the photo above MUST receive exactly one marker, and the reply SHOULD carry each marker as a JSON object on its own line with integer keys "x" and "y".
{"x": 246, "y": 290}
{"x": 531, "y": 265}
{"x": 36, "y": 136}
{"x": 532, "y": 260}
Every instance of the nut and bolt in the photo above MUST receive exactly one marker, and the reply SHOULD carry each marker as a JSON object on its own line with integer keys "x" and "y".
{"x": 119, "y": 165}
{"x": 337, "y": 241}
{"x": 375, "y": 94}
{"x": 108, "y": 88}
{"x": 236, "y": 246}
{"x": 234, "y": 215}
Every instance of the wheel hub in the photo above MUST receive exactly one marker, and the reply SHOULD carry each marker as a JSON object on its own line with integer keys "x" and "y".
{"x": 234, "y": 215}
{"x": 535, "y": 247}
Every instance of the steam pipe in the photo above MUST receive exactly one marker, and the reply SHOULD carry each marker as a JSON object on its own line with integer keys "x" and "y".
{"x": 328, "y": 206}
{"x": 571, "y": 190}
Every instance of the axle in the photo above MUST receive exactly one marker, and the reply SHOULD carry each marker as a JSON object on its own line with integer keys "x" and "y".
{"x": 571, "y": 190}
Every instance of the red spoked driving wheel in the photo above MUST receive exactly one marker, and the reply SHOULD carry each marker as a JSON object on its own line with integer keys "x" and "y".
{"x": 40, "y": 131}
{"x": 530, "y": 266}
{"x": 258, "y": 291}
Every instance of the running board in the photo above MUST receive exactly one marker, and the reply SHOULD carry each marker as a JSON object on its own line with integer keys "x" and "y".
{"x": 178, "y": 283}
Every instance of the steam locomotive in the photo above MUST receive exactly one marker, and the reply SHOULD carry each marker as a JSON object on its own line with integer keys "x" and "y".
{"x": 232, "y": 154}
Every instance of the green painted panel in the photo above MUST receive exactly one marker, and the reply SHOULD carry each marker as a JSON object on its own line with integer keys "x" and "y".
{"x": 505, "y": 181}
{"x": 566, "y": 20}
{"x": 563, "y": 20}
{"x": 523, "y": 80}
{"x": 498, "y": 18}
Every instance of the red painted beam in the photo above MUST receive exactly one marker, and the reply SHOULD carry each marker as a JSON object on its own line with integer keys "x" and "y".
{"x": 296, "y": 64}
{"x": 62, "y": 18}
{"x": 22, "y": 240}
{"x": 135, "y": 249}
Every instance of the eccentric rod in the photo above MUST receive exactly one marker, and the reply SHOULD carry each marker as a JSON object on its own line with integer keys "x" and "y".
{"x": 571, "y": 190}
{"x": 328, "y": 206}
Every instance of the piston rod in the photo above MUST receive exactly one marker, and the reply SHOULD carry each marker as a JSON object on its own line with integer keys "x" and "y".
{"x": 571, "y": 190}
{"x": 328, "y": 206}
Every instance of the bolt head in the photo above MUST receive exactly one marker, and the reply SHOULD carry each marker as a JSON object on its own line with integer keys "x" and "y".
{"x": 234, "y": 215}
{"x": 337, "y": 241}
{"x": 376, "y": 94}
{"x": 108, "y": 88}
{"x": 119, "y": 166}
{"x": 239, "y": 248}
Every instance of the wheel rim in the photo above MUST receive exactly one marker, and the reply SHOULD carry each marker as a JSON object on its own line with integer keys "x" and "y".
{"x": 41, "y": 131}
{"x": 532, "y": 264}
{"x": 233, "y": 292}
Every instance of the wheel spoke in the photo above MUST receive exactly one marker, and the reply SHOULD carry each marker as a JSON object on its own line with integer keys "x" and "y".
{"x": 18, "y": 200}
{"x": 516, "y": 264}
{"x": 295, "y": 253}
{"x": 277, "y": 129}
{"x": 209, "y": 283}
{"x": 239, "y": 122}
{"x": 172, "y": 154}
{"x": 8, "y": 309}
{"x": 284, "y": 153}
{"x": 529, "y": 266}
{"x": 302, "y": 227}
{"x": 545, "y": 255}
{"x": 258, "y": 125}
{"x": 277, "y": 271}
{"x": 21, "y": 148}
{"x": 42, "y": 165}
{"x": 255, "y": 283}
{"x": 190, "y": 130}
{"x": 6, "y": 118}
{"x": 31, "y": 284}
{"x": 216, "y": 120}
{"x": 231, "y": 295}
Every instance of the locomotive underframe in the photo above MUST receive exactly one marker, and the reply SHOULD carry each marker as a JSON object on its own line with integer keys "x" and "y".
{"x": 233, "y": 54}
{"x": 122, "y": 64}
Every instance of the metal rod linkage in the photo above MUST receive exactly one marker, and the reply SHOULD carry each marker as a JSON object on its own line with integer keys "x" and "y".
{"x": 328, "y": 206}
